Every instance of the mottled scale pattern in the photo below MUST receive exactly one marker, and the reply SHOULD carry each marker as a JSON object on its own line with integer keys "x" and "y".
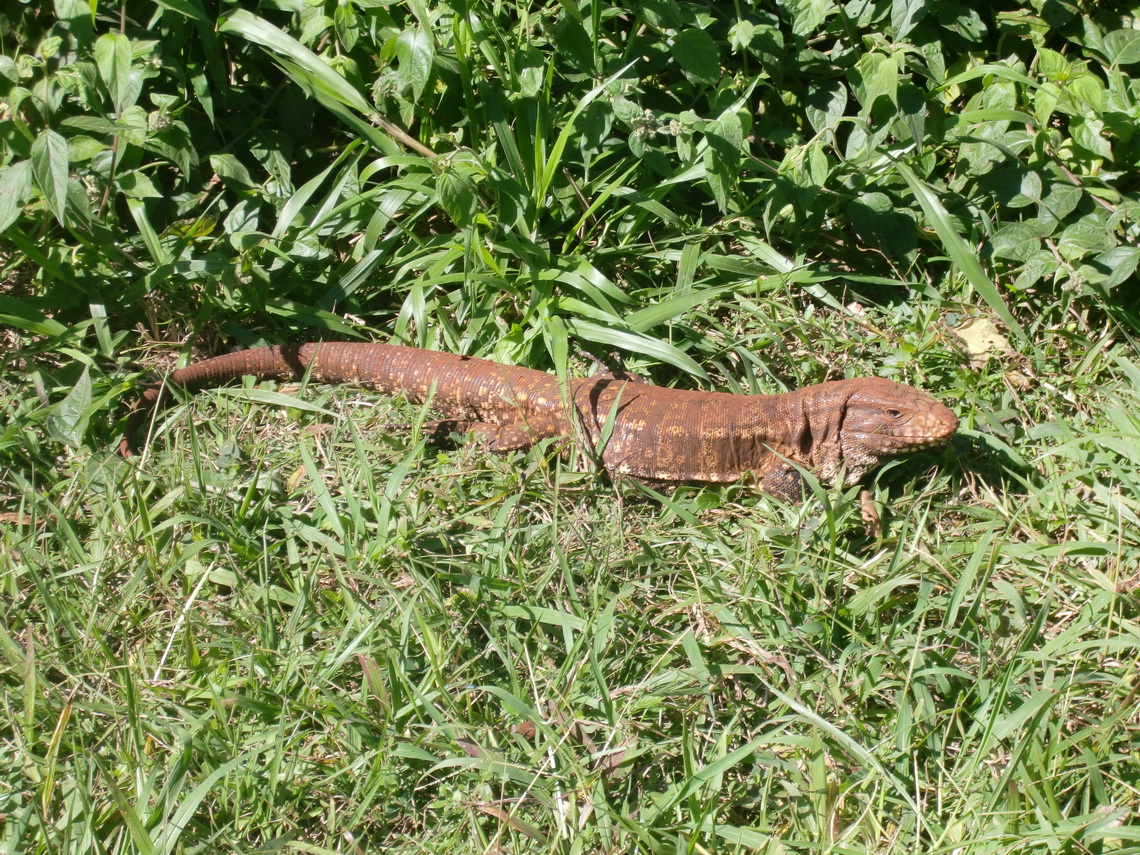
{"x": 659, "y": 434}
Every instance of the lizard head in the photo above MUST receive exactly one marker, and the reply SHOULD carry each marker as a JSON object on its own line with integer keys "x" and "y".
{"x": 883, "y": 419}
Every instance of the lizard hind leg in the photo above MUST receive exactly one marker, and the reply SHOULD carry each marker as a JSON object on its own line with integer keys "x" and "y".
{"x": 499, "y": 438}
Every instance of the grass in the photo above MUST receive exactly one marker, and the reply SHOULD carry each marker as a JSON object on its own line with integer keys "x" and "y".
{"x": 292, "y": 626}
{"x": 341, "y": 640}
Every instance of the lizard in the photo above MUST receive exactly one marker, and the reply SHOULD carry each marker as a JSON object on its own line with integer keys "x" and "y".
{"x": 839, "y": 429}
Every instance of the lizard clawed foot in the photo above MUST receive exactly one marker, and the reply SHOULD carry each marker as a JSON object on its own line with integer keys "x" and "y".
{"x": 870, "y": 515}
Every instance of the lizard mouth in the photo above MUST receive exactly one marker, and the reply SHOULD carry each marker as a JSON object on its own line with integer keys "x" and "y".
{"x": 916, "y": 436}
{"x": 892, "y": 445}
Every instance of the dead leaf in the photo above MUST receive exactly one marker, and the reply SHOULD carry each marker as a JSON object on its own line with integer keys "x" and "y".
{"x": 981, "y": 339}
{"x": 513, "y": 821}
{"x": 471, "y": 749}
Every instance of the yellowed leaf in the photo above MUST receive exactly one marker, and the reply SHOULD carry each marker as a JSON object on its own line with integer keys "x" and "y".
{"x": 981, "y": 339}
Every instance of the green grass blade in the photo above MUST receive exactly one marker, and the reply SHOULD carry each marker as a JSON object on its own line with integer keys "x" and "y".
{"x": 959, "y": 252}
{"x": 634, "y": 342}
{"x": 309, "y": 67}
{"x": 553, "y": 161}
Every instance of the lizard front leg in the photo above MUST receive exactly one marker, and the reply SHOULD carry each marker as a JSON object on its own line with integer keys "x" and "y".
{"x": 784, "y": 482}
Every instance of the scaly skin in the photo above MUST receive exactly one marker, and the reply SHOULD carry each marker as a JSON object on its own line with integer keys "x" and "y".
{"x": 658, "y": 434}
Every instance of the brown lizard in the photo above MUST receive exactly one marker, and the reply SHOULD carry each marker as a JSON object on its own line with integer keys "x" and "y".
{"x": 656, "y": 433}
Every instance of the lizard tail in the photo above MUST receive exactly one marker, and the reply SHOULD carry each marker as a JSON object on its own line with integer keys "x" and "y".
{"x": 290, "y": 360}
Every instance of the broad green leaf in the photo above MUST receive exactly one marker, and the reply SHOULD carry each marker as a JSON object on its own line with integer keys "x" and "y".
{"x": 315, "y": 27}
{"x": 740, "y": 35}
{"x": 725, "y": 138}
{"x": 697, "y": 54}
{"x": 1018, "y": 241}
{"x": 963, "y": 20}
{"x": 961, "y": 254}
{"x": 233, "y": 172}
{"x": 905, "y": 14}
{"x": 825, "y": 104}
{"x": 879, "y": 223}
{"x": 880, "y": 77}
{"x": 818, "y": 166}
{"x": 15, "y": 189}
{"x": 1061, "y": 200}
{"x": 1123, "y": 46}
{"x": 531, "y": 73}
{"x": 175, "y": 145}
{"x": 912, "y": 110}
{"x": 69, "y": 416}
{"x": 138, "y": 185}
{"x": 458, "y": 196}
{"x": 133, "y": 126}
{"x": 113, "y": 54}
{"x": 50, "y": 170}
{"x": 1088, "y": 134}
{"x": 807, "y": 15}
{"x": 1088, "y": 92}
{"x": 416, "y": 54}
{"x": 82, "y": 147}
{"x": 93, "y": 124}
{"x": 1045, "y": 102}
{"x": 1052, "y": 65}
{"x": 1018, "y": 188}
{"x": 1038, "y": 266}
{"x": 1121, "y": 263}
{"x": 346, "y": 23}
{"x": 1083, "y": 238}
{"x": 662, "y": 14}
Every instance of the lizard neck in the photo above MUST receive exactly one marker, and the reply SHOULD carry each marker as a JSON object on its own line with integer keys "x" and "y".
{"x": 815, "y": 422}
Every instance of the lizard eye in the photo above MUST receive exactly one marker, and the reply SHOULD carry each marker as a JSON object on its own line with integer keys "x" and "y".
{"x": 894, "y": 414}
